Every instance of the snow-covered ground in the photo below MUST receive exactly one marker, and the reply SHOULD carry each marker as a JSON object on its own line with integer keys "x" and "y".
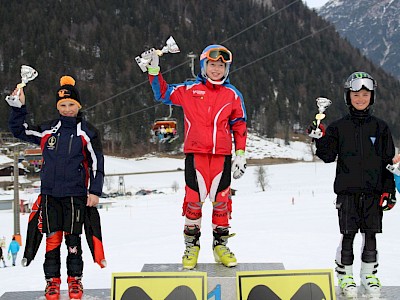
{"x": 258, "y": 148}
{"x": 140, "y": 230}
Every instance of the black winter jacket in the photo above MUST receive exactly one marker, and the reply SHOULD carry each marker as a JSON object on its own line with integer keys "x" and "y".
{"x": 73, "y": 162}
{"x": 363, "y": 146}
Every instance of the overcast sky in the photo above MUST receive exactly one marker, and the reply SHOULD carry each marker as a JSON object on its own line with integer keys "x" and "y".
{"x": 315, "y": 3}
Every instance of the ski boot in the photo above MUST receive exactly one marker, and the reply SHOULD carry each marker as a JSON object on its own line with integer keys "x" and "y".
{"x": 192, "y": 242}
{"x": 346, "y": 281}
{"x": 222, "y": 254}
{"x": 52, "y": 291}
{"x": 75, "y": 288}
{"x": 369, "y": 281}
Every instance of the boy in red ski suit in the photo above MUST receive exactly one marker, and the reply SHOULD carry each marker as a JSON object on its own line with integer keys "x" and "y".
{"x": 214, "y": 111}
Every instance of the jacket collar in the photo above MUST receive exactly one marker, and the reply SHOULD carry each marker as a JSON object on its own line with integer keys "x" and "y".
{"x": 359, "y": 114}
{"x": 69, "y": 121}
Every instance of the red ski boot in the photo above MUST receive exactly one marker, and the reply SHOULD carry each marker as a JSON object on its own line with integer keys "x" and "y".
{"x": 52, "y": 291}
{"x": 75, "y": 288}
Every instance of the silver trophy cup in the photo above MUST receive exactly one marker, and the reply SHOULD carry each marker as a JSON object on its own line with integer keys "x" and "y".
{"x": 170, "y": 47}
{"x": 27, "y": 74}
{"x": 323, "y": 104}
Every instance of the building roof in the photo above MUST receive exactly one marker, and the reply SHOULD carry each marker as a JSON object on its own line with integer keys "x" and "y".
{"x": 5, "y": 160}
{"x": 36, "y": 151}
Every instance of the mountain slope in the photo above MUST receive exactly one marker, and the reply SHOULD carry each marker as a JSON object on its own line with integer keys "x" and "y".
{"x": 371, "y": 26}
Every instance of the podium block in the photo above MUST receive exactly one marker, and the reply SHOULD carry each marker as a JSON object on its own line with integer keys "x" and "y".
{"x": 221, "y": 281}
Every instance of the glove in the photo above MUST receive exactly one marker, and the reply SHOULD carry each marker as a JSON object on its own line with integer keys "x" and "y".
{"x": 152, "y": 67}
{"x": 387, "y": 201}
{"x": 311, "y": 130}
{"x": 239, "y": 164}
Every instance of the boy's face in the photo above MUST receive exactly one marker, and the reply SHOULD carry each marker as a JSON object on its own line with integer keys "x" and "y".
{"x": 68, "y": 108}
{"x": 361, "y": 99}
{"x": 215, "y": 69}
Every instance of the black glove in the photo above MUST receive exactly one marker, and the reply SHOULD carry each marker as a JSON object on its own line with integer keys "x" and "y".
{"x": 311, "y": 129}
{"x": 387, "y": 201}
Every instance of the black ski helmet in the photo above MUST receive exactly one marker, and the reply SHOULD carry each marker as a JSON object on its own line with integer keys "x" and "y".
{"x": 358, "y": 81}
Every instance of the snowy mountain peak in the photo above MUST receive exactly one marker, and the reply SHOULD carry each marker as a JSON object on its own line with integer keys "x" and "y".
{"x": 371, "y": 26}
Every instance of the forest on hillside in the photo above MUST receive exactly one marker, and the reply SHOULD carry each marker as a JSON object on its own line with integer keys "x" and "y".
{"x": 284, "y": 57}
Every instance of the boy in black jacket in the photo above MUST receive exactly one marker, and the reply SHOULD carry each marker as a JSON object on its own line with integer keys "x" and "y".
{"x": 363, "y": 146}
{"x": 71, "y": 178}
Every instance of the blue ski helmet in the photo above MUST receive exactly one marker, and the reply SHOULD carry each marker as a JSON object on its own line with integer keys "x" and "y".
{"x": 214, "y": 53}
{"x": 358, "y": 81}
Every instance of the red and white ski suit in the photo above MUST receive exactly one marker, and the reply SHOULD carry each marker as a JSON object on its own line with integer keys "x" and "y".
{"x": 212, "y": 115}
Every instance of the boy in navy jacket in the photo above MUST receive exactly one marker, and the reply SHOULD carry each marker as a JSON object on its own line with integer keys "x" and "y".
{"x": 71, "y": 178}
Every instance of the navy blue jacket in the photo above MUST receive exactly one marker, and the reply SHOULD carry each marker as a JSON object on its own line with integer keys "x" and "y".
{"x": 73, "y": 162}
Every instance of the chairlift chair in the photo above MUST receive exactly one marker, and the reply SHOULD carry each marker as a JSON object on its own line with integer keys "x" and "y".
{"x": 168, "y": 124}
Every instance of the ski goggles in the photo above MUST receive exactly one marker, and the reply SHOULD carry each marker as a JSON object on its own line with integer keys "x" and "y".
{"x": 218, "y": 53}
{"x": 358, "y": 83}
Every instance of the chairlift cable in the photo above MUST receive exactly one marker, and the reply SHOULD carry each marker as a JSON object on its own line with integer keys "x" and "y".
{"x": 236, "y": 69}
{"x": 260, "y": 21}
{"x": 233, "y": 71}
{"x": 131, "y": 88}
{"x": 188, "y": 61}
{"x": 127, "y": 115}
{"x": 282, "y": 48}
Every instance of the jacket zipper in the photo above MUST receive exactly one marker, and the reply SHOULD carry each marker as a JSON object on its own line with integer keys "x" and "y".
{"x": 362, "y": 151}
{"x": 58, "y": 140}
{"x": 70, "y": 143}
{"x": 73, "y": 214}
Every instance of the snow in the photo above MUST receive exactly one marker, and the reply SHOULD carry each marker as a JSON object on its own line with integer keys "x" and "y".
{"x": 5, "y": 159}
{"x": 315, "y": 3}
{"x": 140, "y": 230}
{"x": 258, "y": 148}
